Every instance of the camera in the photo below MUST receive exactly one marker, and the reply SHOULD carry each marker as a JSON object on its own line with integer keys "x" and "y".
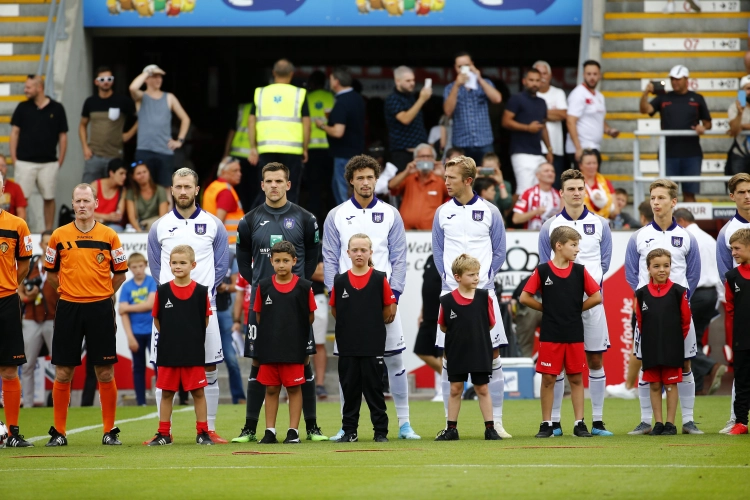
{"x": 29, "y": 284}
{"x": 486, "y": 171}
{"x": 659, "y": 87}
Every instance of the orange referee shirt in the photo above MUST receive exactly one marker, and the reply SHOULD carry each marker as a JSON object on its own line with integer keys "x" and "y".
{"x": 84, "y": 261}
{"x": 15, "y": 244}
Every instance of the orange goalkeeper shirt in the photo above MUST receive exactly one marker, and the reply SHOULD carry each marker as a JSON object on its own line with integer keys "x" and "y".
{"x": 15, "y": 244}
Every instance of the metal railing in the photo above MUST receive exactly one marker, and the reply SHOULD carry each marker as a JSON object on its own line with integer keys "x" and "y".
{"x": 54, "y": 31}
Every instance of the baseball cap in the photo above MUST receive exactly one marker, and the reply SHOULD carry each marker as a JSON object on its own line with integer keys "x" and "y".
{"x": 679, "y": 71}
{"x": 154, "y": 70}
{"x": 744, "y": 81}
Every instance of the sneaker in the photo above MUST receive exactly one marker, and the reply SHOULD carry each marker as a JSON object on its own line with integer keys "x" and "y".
{"x": 406, "y": 432}
{"x": 321, "y": 392}
{"x": 246, "y": 435}
{"x": 216, "y": 439}
{"x": 450, "y": 434}
{"x": 268, "y": 438}
{"x": 500, "y": 431}
{"x": 717, "y": 374}
{"x": 545, "y": 431}
{"x": 669, "y": 429}
{"x": 736, "y": 430}
{"x": 292, "y": 437}
{"x": 727, "y": 428}
{"x": 581, "y": 430}
{"x": 110, "y": 438}
{"x": 337, "y": 437}
{"x": 491, "y": 435}
{"x": 640, "y": 429}
{"x": 658, "y": 429}
{"x": 160, "y": 440}
{"x": 598, "y": 429}
{"x": 349, "y": 438}
{"x": 557, "y": 429}
{"x": 691, "y": 428}
{"x": 669, "y": 8}
{"x": 146, "y": 442}
{"x": 315, "y": 434}
{"x": 15, "y": 440}
{"x": 204, "y": 438}
{"x": 381, "y": 438}
{"x": 56, "y": 439}
{"x": 622, "y": 392}
{"x": 437, "y": 398}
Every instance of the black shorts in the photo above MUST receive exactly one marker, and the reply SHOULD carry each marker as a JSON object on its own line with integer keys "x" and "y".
{"x": 477, "y": 378}
{"x": 94, "y": 321}
{"x": 252, "y": 332}
{"x": 11, "y": 332}
{"x": 425, "y": 343}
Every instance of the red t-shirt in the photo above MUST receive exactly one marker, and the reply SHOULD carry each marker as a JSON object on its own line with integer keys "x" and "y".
{"x": 359, "y": 282}
{"x": 590, "y": 286}
{"x": 244, "y": 285}
{"x": 182, "y": 293}
{"x": 282, "y": 288}
{"x": 12, "y": 198}
{"x": 744, "y": 270}
{"x": 463, "y": 301}
{"x": 225, "y": 200}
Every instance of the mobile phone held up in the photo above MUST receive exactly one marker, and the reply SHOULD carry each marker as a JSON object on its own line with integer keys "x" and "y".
{"x": 742, "y": 97}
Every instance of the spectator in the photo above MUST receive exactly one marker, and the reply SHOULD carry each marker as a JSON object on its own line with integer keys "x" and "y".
{"x": 238, "y": 147}
{"x": 110, "y": 193}
{"x": 318, "y": 170}
{"x": 38, "y": 126}
{"x": 599, "y": 190}
{"x": 539, "y": 202}
{"x": 107, "y": 114}
{"x": 221, "y": 199}
{"x": 155, "y": 145}
{"x": 557, "y": 113}
{"x": 440, "y": 136}
{"x": 680, "y": 109}
{"x": 345, "y": 129}
{"x": 618, "y": 218}
{"x": 403, "y": 115}
{"x": 452, "y": 152}
{"x": 525, "y": 115}
{"x": 491, "y": 169}
{"x": 12, "y": 199}
{"x": 145, "y": 201}
{"x": 40, "y": 298}
{"x": 423, "y": 189}
{"x": 739, "y": 121}
{"x": 467, "y": 101}
{"x": 586, "y": 116}
{"x": 646, "y": 213}
{"x": 703, "y": 301}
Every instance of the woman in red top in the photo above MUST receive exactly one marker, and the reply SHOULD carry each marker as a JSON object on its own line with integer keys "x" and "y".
{"x": 110, "y": 196}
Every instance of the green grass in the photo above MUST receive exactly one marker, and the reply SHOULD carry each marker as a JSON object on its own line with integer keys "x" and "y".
{"x": 708, "y": 466}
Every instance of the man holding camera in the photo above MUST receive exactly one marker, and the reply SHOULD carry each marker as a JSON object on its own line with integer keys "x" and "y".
{"x": 680, "y": 109}
{"x": 422, "y": 188}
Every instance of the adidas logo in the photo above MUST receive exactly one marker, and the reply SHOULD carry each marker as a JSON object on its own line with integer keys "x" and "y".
{"x": 645, "y": 307}
{"x": 453, "y": 315}
{"x": 168, "y": 304}
{"x": 548, "y": 282}
{"x": 268, "y": 300}
{"x": 344, "y": 295}
{"x": 736, "y": 287}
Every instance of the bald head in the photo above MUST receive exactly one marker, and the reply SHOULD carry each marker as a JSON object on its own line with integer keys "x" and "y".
{"x": 283, "y": 69}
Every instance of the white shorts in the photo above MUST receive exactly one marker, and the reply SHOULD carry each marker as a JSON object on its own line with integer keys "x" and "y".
{"x": 42, "y": 176}
{"x": 524, "y": 166}
{"x": 690, "y": 345}
{"x": 212, "y": 345}
{"x": 320, "y": 325}
{"x": 394, "y": 338}
{"x": 497, "y": 333}
{"x": 595, "y": 330}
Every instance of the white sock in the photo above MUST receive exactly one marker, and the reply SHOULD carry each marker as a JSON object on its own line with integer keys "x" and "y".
{"x": 644, "y": 395}
{"x": 438, "y": 385}
{"x": 686, "y": 390}
{"x": 446, "y": 387}
{"x": 597, "y": 385}
{"x": 272, "y": 429}
{"x": 399, "y": 386}
{"x": 212, "y": 397}
{"x": 558, "y": 397}
{"x": 497, "y": 391}
{"x": 731, "y": 414}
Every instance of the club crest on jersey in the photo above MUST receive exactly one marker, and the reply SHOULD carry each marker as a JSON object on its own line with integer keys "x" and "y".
{"x": 4, "y": 247}
{"x": 477, "y": 215}
{"x": 200, "y": 229}
{"x": 588, "y": 229}
{"x": 289, "y": 223}
{"x": 677, "y": 241}
{"x": 100, "y": 257}
{"x": 377, "y": 217}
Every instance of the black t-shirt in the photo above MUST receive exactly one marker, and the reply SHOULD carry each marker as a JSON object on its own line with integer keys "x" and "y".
{"x": 40, "y": 130}
{"x": 527, "y": 109}
{"x": 432, "y": 285}
{"x": 349, "y": 110}
{"x": 681, "y": 112}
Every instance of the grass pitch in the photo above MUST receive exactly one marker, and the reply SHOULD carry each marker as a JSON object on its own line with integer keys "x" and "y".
{"x": 708, "y": 466}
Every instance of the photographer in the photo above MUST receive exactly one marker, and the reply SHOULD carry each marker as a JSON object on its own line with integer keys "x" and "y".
{"x": 422, "y": 188}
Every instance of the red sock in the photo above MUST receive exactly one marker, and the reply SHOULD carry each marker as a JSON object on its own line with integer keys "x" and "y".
{"x": 60, "y": 402}
{"x": 108, "y": 398}
{"x": 201, "y": 427}
{"x": 165, "y": 428}
{"x": 12, "y": 400}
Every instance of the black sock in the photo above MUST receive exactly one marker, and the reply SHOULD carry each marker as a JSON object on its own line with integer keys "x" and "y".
{"x": 489, "y": 424}
{"x": 251, "y": 424}
{"x": 309, "y": 399}
{"x": 452, "y": 424}
{"x": 256, "y": 394}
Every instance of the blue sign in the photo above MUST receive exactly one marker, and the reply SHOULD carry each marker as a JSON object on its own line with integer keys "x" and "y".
{"x": 329, "y": 13}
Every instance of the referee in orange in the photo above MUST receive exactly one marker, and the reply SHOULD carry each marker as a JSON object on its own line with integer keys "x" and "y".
{"x": 15, "y": 252}
{"x": 87, "y": 263}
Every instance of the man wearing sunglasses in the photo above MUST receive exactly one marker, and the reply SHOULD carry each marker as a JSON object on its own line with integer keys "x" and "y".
{"x": 107, "y": 113}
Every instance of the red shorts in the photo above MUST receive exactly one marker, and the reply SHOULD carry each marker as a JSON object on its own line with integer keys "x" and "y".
{"x": 192, "y": 377}
{"x": 554, "y": 356}
{"x": 665, "y": 374}
{"x": 286, "y": 374}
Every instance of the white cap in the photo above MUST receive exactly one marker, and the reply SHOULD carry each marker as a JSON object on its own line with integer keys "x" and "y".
{"x": 744, "y": 81}
{"x": 153, "y": 69}
{"x": 679, "y": 71}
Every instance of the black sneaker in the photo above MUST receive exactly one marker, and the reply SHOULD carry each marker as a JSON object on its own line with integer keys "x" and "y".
{"x": 581, "y": 430}
{"x": 557, "y": 429}
{"x": 110, "y": 438}
{"x": 658, "y": 429}
{"x": 380, "y": 438}
{"x": 269, "y": 438}
{"x": 449, "y": 434}
{"x": 15, "y": 440}
{"x": 669, "y": 429}
{"x": 545, "y": 431}
{"x": 292, "y": 437}
{"x": 160, "y": 440}
{"x": 349, "y": 438}
{"x": 56, "y": 439}
{"x": 491, "y": 435}
{"x": 204, "y": 439}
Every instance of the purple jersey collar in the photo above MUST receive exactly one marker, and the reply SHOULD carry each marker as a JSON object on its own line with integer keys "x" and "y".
{"x": 471, "y": 201}
{"x": 371, "y": 205}
{"x": 195, "y": 214}
{"x": 583, "y": 215}
{"x": 671, "y": 226}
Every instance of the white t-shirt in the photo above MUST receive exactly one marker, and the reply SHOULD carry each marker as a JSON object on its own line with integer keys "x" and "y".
{"x": 555, "y": 99}
{"x": 590, "y": 110}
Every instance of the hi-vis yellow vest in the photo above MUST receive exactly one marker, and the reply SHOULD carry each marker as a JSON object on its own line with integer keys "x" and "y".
{"x": 232, "y": 219}
{"x": 241, "y": 141}
{"x": 278, "y": 112}
{"x": 320, "y": 103}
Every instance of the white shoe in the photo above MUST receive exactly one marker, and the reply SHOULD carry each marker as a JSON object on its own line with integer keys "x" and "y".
{"x": 622, "y": 392}
{"x": 728, "y": 427}
{"x": 437, "y": 399}
{"x": 502, "y": 432}
{"x": 669, "y": 8}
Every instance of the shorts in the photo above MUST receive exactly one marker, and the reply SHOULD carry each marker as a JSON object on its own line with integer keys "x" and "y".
{"x": 425, "y": 343}
{"x": 524, "y": 167}
{"x": 320, "y": 325}
{"x": 686, "y": 166}
{"x": 252, "y": 332}
{"x": 212, "y": 345}
{"x": 595, "y": 330}
{"x": 497, "y": 334}
{"x": 94, "y": 321}
{"x": 689, "y": 345}
{"x": 168, "y": 378}
{"x": 554, "y": 356}
{"x": 286, "y": 374}
{"x": 664, "y": 374}
{"x": 477, "y": 378}
{"x": 11, "y": 338}
{"x": 42, "y": 176}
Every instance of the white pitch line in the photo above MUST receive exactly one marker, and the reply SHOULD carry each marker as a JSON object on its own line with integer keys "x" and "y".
{"x": 99, "y": 426}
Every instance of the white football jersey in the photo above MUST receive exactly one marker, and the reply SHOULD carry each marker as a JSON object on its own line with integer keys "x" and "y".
{"x": 724, "y": 259}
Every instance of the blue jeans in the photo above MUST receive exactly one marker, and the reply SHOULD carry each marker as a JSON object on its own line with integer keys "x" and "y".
{"x": 476, "y": 153}
{"x": 139, "y": 367}
{"x": 686, "y": 166}
{"x": 339, "y": 185}
{"x": 230, "y": 356}
{"x": 160, "y": 165}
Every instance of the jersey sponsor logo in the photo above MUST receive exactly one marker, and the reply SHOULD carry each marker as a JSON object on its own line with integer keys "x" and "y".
{"x": 349, "y": 219}
{"x": 118, "y": 255}
{"x": 200, "y": 229}
{"x": 289, "y": 223}
{"x": 677, "y": 241}
{"x": 203, "y": 381}
{"x": 644, "y": 307}
{"x": 263, "y": 223}
{"x": 548, "y": 365}
{"x": 648, "y": 242}
{"x": 736, "y": 287}
{"x": 275, "y": 238}
{"x": 451, "y": 216}
{"x": 317, "y": 234}
{"x": 453, "y": 315}
{"x": 345, "y": 295}
{"x": 100, "y": 257}
{"x": 268, "y": 300}
{"x": 548, "y": 282}
{"x": 4, "y": 247}
{"x": 171, "y": 231}
{"x": 377, "y": 217}
{"x": 28, "y": 244}
{"x": 168, "y": 305}
{"x": 588, "y": 229}
{"x": 477, "y": 215}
